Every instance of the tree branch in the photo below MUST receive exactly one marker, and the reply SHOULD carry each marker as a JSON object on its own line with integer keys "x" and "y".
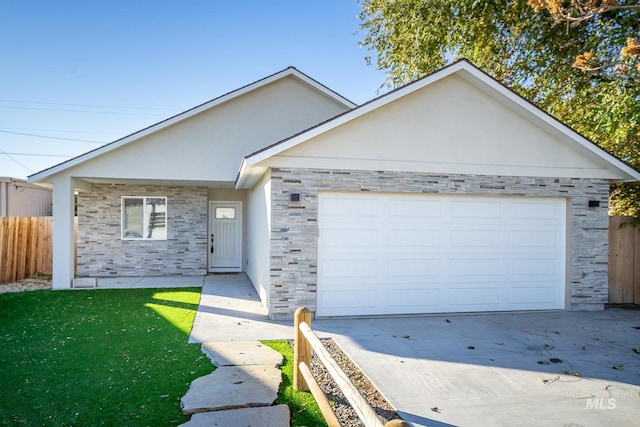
{"x": 579, "y": 11}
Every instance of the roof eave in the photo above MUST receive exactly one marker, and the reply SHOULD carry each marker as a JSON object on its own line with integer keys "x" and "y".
{"x": 289, "y": 71}
{"x": 474, "y": 75}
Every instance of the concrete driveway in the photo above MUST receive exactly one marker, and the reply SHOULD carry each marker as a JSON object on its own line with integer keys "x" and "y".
{"x": 528, "y": 369}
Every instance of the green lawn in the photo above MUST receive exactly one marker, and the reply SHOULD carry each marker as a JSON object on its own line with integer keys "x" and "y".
{"x": 109, "y": 357}
{"x": 103, "y": 357}
{"x": 303, "y": 407}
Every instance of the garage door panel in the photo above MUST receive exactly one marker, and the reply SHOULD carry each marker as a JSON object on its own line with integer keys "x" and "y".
{"x": 534, "y": 296}
{"x": 349, "y": 268}
{"x": 419, "y": 298}
{"x": 476, "y": 210}
{"x": 413, "y": 267}
{"x": 414, "y": 209}
{"x": 473, "y": 238}
{"x": 538, "y": 239}
{"x": 474, "y": 296}
{"x": 342, "y": 208}
{"x": 476, "y": 267}
{"x": 350, "y": 238}
{"x": 339, "y": 301}
{"x": 416, "y": 237}
{"x": 534, "y": 269}
{"x": 429, "y": 253}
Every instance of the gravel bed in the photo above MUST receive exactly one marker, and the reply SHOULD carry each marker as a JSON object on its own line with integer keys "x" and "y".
{"x": 34, "y": 283}
{"x": 343, "y": 410}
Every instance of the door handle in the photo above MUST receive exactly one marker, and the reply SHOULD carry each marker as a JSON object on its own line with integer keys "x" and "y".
{"x": 212, "y": 241}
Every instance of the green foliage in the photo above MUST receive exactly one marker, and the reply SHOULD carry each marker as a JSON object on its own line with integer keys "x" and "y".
{"x": 527, "y": 51}
{"x": 100, "y": 357}
{"x": 303, "y": 407}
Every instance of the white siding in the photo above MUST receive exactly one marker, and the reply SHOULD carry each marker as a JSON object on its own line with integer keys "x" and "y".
{"x": 258, "y": 237}
{"x": 450, "y": 126}
{"x": 210, "y": 146}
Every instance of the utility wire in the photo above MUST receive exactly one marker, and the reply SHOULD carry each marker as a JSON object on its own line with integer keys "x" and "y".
{"x": 82, "y": 111}
{"x": 58, "y": 130}
{"x": 85, "y": 105}
{"x": 38, "y": 154}
{"x": 27, "y": 168}
{"x": 52, "y": 137}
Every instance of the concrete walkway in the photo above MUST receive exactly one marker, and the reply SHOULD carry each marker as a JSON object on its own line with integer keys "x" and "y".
{"x": 245, "y": 384}
{"x": 240, "y": 391}
{"x": 230, "y": 310}
{"x": 520, "y": 369}
{"x": 151, "y": 282}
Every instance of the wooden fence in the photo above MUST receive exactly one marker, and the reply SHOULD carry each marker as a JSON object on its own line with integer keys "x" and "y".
{"x": 305, "y": 339}
{"x": 624, "y": 262}
{"x": 25, "y": 247}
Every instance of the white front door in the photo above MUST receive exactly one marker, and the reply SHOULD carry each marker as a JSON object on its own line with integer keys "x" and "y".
{"x": 225, "y": 236}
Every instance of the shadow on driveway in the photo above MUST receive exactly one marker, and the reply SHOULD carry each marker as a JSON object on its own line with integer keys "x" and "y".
{"x": 507, "y": 369}
{"x": 543, "y": 368}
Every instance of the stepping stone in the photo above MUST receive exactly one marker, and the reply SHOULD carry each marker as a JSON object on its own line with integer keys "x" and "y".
{"x": 231, "y": 387}
{"x": 241, "y": 353}
{"x": 270, "y": 416}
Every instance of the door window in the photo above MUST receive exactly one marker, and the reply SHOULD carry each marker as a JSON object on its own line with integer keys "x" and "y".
{"x": 225, "y": 213}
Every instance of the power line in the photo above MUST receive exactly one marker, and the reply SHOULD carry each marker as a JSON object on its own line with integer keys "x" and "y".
{"x": 82, "y": 111}
{"x": 59, "y": 130}
{"x": 52, "y": 137}
{"x": 27, "y": 168}
{"x": 38, "y": 154}
{"x": 85, "y": 105}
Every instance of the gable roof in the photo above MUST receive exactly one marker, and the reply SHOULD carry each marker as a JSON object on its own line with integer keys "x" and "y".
{"x": 254, "y": 165}
{"x": 287, "y": 72}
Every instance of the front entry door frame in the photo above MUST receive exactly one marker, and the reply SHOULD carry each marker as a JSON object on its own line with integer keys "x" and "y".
{"x": 224, "y": 247}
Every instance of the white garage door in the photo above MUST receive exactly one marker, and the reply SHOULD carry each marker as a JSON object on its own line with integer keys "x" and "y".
{"x": 401, "y": 253}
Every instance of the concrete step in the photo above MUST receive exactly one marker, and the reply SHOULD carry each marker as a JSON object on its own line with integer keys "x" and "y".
{"x": 231, "y": 387}
{"x": 241, "y": 353}
{"x": 270, "y": 416}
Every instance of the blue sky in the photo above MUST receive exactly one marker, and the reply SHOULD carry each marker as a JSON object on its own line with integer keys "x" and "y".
{"x": 97, "y": 71}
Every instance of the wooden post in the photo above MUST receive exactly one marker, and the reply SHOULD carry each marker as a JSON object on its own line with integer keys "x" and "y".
{"x": 20, "y": 254}
{"x": 318, "y": 394}
{"x": 301, "y": 349}
{"x": 397, "y": 423}
{"x": 4, "y": 227}
{"x": 13, "y": 249}
{"x": 32, "y": 247}
{"x": 75, "y": 246}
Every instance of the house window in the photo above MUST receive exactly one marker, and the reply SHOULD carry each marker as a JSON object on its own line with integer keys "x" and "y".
{"x": 144, "y": 218}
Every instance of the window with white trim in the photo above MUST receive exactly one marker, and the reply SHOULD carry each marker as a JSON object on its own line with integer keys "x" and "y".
{"x": 144, "y": 218}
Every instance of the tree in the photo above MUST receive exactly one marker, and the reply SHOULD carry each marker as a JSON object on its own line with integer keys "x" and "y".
{"x": 531, "y": 53}
{"x": 578, "y": 11}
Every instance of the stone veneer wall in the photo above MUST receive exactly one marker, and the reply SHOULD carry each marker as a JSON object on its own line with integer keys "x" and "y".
{"x": 295, "y": 225}
{"x": 101, "y": 252}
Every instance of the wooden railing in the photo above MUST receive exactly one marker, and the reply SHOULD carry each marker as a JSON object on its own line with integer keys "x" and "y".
{"x": 305, "y": 340}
